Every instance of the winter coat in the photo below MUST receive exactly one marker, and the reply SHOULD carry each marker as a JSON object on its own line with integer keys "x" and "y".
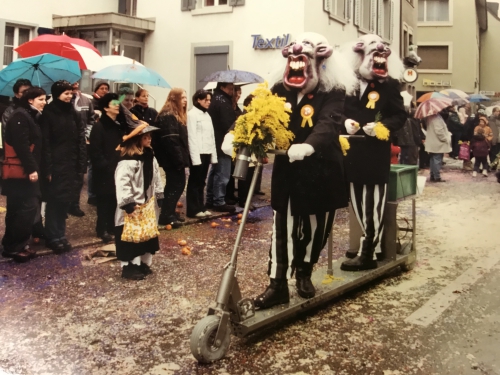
{"x": 316, "y": 184}
{"x": 171, "y": 143}
{"x": 84, "y": 107}
{"x": 64, "y": 155}
{"x": 368, "y": 161}
{"x": 8, "y": 113}
{"x": 409, "y": 134}
{"x": 223, "y": 116}
{"x": 201, "y": 138}
{"x": 468, "y": 130}
{"x": 147, "y": 114}
{"x": 494, "y": 124}
{"x": 21, "y": 131}
{"x": 479, "y": 146}
{"x": 131, "y": 184}
{"x": 438, "y": 138}
{"x": 485, "y": 132}
{"x": 453, "y": 123}
{"x": 105, "y": 137}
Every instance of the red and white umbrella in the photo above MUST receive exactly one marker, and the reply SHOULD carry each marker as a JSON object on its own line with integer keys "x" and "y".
{"x": 86, "y": 54}
{"x": 432, "y": 107}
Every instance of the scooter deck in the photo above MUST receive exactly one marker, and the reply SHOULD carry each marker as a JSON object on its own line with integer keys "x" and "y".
{"x": 327, "y": 288}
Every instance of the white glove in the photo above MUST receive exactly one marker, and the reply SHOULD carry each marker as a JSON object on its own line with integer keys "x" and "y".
{"x": 369, "y": 129}
{"x": 227, "y": 144}
{"x": 299, "y": 151}
{"x": 351, "y": 126}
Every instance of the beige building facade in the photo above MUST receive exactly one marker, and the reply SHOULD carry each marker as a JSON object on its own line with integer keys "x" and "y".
{"x": 489, "y": 77}
{"x": 449, "y": 34}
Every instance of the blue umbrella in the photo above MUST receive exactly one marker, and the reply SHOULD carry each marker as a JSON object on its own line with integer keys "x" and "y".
{"x": 233, "y": 76}
{"x": 132, "y": 73}
{"x": 42, "y": 70}
{"x": 476, "y": 98}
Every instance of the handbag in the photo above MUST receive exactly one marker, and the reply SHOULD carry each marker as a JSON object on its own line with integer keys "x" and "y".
{"x": 140, "y": 225}
{"x": 464, "y": 152}
{"x": 12, "y": 167}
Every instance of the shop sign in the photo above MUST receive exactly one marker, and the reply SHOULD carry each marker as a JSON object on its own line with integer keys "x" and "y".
{"x": 263, "y": 43}
{"x": 430, "y": 82}
{"x": 410, "y": 75}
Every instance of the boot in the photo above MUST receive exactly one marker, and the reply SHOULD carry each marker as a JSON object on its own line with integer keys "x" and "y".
{"x": 363, "y": 262}
{"x": 351, "y": 254}
{"x": 305, "y": 287}
{"x": 275, "y": 294}
{"x": 132, "y": 272}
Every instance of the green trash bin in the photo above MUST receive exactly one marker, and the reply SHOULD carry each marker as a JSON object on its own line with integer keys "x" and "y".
{"x": 402, "y": 181}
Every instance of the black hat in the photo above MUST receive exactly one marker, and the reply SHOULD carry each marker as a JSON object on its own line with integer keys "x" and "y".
{"x": 59, "y": 87}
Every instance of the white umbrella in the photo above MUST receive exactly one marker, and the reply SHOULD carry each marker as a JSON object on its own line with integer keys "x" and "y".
{"x": 110, "y": 60}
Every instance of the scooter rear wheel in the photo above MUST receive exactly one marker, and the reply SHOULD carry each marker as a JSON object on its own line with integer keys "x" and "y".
{"x": 202, "y": 341}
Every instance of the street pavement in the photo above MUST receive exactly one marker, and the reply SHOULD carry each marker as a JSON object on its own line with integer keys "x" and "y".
{"x": 67, "y": 315}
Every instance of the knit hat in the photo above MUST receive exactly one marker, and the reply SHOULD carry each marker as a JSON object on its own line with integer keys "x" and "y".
{"x": 99, "y": 84}
{"x": 59, "y": 87}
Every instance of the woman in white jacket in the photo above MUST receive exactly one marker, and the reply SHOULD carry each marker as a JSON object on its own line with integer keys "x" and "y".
{"x": 202, "y": 153}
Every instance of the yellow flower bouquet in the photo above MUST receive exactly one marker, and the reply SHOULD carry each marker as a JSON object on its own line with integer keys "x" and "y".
{"x": 264, "y": 125}
{"x": 381, "y": 132}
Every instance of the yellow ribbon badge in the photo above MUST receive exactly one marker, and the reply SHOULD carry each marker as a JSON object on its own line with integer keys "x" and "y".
{"x": 373, "y": 97}
{"x": 307, "y": 113}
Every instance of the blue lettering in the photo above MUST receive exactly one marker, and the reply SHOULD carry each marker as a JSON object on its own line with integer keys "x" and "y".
{"x": 255, "y": 38}
{"x": 270, "y": 43}
{"x": 261, "y": 44}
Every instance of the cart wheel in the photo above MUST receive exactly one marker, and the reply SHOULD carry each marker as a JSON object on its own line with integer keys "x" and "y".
{"x": 203, "y": 347}
{"x": 406, "y": 267}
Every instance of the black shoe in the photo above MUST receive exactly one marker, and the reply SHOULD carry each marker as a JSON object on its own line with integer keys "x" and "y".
{"x": 145, "y": 269}
{"x": 132, "y": 272}
{"x": 224, "y": 208}
{"x": 179, "y": 218}
{"x": 22, "y": 256}
{"x": 92, "y": 201}
{"x": 106, "y": 237}
{"x": 56, "y": 246}
{"x": 76, "y": 211}
{"x": 275, "y": 294}
{"x": 230, "y": 202}
{"x": 438, "y": 180}
{"x": 304, "y": 285}
{"x": 359, "y": 263}
{"x": 259, "y": 193}
{"x": 351, "y": 254}
{"x": 66, "y": 245}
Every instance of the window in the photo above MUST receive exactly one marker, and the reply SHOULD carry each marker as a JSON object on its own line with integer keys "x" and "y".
{"x": 14, "y": 37}
{"x": 385, "y": 18}
{"x": 365, "y": 15}
{"x": 199, "y": 5}
{"x": 337, "y": 9}
{"x": 211, "y": 3}
{"x": 128, "y": 7}
{"x": 435, "y": 57}
{"x": 433, "y": 11}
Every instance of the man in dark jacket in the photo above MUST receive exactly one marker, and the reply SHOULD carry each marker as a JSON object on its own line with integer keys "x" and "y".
{"x": 19, "y": 88}
{"x": 223, "y": 116}
{"x": 105, "y": 136}
{"x": 368, "y": 160}
{"x": 409, "y": 139}
{"x": 455, "y": 127}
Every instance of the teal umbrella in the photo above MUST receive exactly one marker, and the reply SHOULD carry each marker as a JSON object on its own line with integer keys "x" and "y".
{"x": 42, "y": 70}
{"x": 132, "y": 73}
{"x": 476, "y": 98}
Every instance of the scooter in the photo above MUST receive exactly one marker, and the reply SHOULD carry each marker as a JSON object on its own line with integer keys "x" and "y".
{"x": 233, "y": 314}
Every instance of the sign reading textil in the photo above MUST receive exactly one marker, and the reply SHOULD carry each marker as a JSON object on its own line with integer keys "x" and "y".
{"x": 274, "y": 43}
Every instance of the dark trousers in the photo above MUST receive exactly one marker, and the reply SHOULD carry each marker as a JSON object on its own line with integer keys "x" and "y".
{"x": 106, "y": 207}
{"x": 481, "y": 160}
{"x": 231, "y": 185}
{"x": 176, "y": 181}
{"x": 56, "y": 214}
{"x": 368, "y": 203}
{"x": 79, "y": 186}
{"x": 297, "y": 240}
{"x": 19, "y": 220}
{"x": 195, "y": 201}
{"x": 455, "y": 147}
{"x": 494, "y": 150}
{"x": 244, "y": 187}
{"x": 409, "y": 155}
{"x": 423, "y": 158}
{"x": 38, "y": 229}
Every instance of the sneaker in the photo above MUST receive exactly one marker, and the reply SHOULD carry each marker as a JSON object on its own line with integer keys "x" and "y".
{"x": 474, "y": 174}
{"x": 132, "y": 272}
{"x": 208, "y": 213}
{"x": 56, "y": 246}
{"x": 485, "y": 173}
{"x": 200, "y": 214}
{"x": 224, "y": 208}
{"x": 175, "y": 224}
{"x": 66, "y": 245}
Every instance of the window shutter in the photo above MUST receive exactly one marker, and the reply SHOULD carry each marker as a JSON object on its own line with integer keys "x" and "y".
{"x": 391, "y": 22}
{"x": 373, "y": 16}
{"x": 235, "y": 3}
{"x": 357, "y": 12}
{"x": 328, "y": 6}
{"x": 347, "y": 9}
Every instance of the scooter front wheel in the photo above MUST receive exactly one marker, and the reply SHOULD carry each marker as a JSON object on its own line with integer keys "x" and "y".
{"x": 202, "y": 341}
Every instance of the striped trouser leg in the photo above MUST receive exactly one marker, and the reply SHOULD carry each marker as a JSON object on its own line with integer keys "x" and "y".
{"x": 368, "y": 202}
{"x": 297, "y": 239}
